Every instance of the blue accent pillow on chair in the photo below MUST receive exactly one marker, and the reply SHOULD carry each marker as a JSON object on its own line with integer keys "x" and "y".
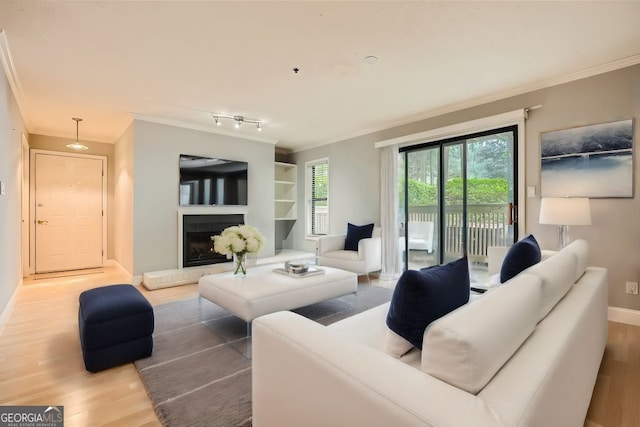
{"x": 422, "y": 296}
{"x": 355, "y": 233}
{"x": 521, "y": 255}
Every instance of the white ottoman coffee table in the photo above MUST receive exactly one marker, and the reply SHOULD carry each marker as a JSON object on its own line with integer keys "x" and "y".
{"x": 264, "y": 291}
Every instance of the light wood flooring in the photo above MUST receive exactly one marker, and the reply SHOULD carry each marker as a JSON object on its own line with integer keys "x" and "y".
{"x": 41, "y": 361}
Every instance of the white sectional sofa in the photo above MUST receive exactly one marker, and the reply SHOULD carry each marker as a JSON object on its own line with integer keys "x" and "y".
{"x": 526, "y": 353}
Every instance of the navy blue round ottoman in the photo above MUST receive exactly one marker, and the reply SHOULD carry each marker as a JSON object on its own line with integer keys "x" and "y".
{"x": 116, "y": 326}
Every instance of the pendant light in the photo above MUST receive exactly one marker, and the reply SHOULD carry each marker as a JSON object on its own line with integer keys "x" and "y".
{"x": 76, "y": 145}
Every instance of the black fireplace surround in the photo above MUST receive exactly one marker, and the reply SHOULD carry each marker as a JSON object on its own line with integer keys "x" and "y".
{"x": 197, "y": 246}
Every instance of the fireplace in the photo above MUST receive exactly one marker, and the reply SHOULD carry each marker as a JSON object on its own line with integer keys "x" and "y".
{"x": 197, "y": 246}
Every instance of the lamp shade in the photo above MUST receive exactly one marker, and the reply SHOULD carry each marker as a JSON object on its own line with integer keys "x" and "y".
{"x": 565, "y": 211}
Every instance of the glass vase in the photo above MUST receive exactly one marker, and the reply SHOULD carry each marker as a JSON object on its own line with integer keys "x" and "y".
{"x": 240, "y": 264}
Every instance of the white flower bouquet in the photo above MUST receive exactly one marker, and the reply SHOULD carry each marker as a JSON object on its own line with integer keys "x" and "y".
{"x": 238, "y": 241}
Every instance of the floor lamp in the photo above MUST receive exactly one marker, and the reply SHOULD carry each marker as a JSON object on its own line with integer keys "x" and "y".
{"x": 564, "y": 212}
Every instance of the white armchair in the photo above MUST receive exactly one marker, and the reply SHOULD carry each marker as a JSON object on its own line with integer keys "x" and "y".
{"x": 367, "y": 259}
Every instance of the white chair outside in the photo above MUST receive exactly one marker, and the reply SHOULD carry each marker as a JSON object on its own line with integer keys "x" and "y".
{"x": 421, "y": 236}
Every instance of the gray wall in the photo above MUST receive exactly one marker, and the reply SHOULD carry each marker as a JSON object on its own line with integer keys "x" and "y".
{"x": 123, "y": 195}
{"x": 52, "y": 143}
{"x": 11, "y": 129}
{"x": 354, "y": 188}
{"x": 156, "y": 179}
{"x": 614, "y": 236}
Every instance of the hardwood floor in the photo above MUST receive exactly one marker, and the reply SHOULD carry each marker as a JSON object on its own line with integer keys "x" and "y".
{"x": 41, "y": 361}
{"x": 614, "y": 401}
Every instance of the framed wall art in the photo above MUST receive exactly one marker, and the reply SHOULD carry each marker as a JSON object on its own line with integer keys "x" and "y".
{"x": 588, "y": 161}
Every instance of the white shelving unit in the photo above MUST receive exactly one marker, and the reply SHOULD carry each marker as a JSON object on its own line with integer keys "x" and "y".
{"x": 285, "y": 191}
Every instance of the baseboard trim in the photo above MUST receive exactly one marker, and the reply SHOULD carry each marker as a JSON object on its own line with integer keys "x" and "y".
{"x": 116, "y": 264}
{"x": 6, "y": 313}
{"x": 624, "y": 315}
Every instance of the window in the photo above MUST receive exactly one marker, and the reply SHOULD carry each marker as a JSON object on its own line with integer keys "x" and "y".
{"x": 317, "y": 196}
{"x": 458, "y": 197}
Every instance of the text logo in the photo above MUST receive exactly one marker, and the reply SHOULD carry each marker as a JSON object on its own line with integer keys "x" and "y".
{"x": 31, "y": 416}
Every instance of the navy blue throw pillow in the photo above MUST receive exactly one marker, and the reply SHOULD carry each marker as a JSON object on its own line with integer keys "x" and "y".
{"x": 422, "y": 296}
{"x": 521, "y": 255}
{"x": 355, "y": 233}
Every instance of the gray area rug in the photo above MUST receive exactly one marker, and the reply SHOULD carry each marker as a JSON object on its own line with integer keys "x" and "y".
{"x": 198, "y": 375}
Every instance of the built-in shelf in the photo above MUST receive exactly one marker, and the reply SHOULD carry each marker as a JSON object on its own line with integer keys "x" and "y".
{"x": 285, "y": 191}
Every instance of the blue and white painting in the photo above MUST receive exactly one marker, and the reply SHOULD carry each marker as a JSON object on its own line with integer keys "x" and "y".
{"x": 589, "y": 161}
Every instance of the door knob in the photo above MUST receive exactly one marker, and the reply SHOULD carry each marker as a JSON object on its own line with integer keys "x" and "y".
{"x": 41, "y": 222}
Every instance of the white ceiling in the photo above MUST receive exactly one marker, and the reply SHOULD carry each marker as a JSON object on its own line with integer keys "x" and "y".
{"x": 178, "y": 61}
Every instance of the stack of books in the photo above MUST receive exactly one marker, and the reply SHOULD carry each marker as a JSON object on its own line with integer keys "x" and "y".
{"x": 299, "y": 269}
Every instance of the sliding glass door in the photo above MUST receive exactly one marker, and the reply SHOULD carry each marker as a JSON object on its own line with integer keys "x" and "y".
{"x": 457, "y": 197}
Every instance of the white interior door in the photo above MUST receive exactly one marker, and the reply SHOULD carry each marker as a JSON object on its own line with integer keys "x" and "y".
{"x": 68, "y": 212}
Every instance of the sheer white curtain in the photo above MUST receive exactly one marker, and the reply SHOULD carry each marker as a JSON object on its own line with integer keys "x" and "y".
{"x": 389, "y": 212}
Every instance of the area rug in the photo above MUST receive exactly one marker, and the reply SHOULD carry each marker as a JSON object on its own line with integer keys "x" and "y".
{"x": 198, "y": 375}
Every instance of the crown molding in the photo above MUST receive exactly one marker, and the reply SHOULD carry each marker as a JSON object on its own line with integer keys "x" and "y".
{"x": 464, "y": 128}
{"x": 606, "y": 67}
{"x": 12, "y": 78}
{"x": 65, "y": 135}
{"x": 196, "y": 126}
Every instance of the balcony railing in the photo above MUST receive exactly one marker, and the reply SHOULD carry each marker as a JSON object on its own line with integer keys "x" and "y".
{"x": 321, "y": 220}
{"x": 488, "y": 225}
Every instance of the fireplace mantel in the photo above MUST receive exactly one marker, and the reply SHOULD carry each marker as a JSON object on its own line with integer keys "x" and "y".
{"x": 204, "y": 210}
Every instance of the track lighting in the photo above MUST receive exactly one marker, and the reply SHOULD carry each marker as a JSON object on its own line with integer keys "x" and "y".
{"x": 238, "y": 120}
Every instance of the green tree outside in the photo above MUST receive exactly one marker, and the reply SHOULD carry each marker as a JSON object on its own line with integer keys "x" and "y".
{"x": 489, "y": 160}
{"x": 479, "y": 191}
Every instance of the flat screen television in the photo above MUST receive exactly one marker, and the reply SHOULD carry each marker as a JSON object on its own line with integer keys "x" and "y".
{"x": 210, "y": 181}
